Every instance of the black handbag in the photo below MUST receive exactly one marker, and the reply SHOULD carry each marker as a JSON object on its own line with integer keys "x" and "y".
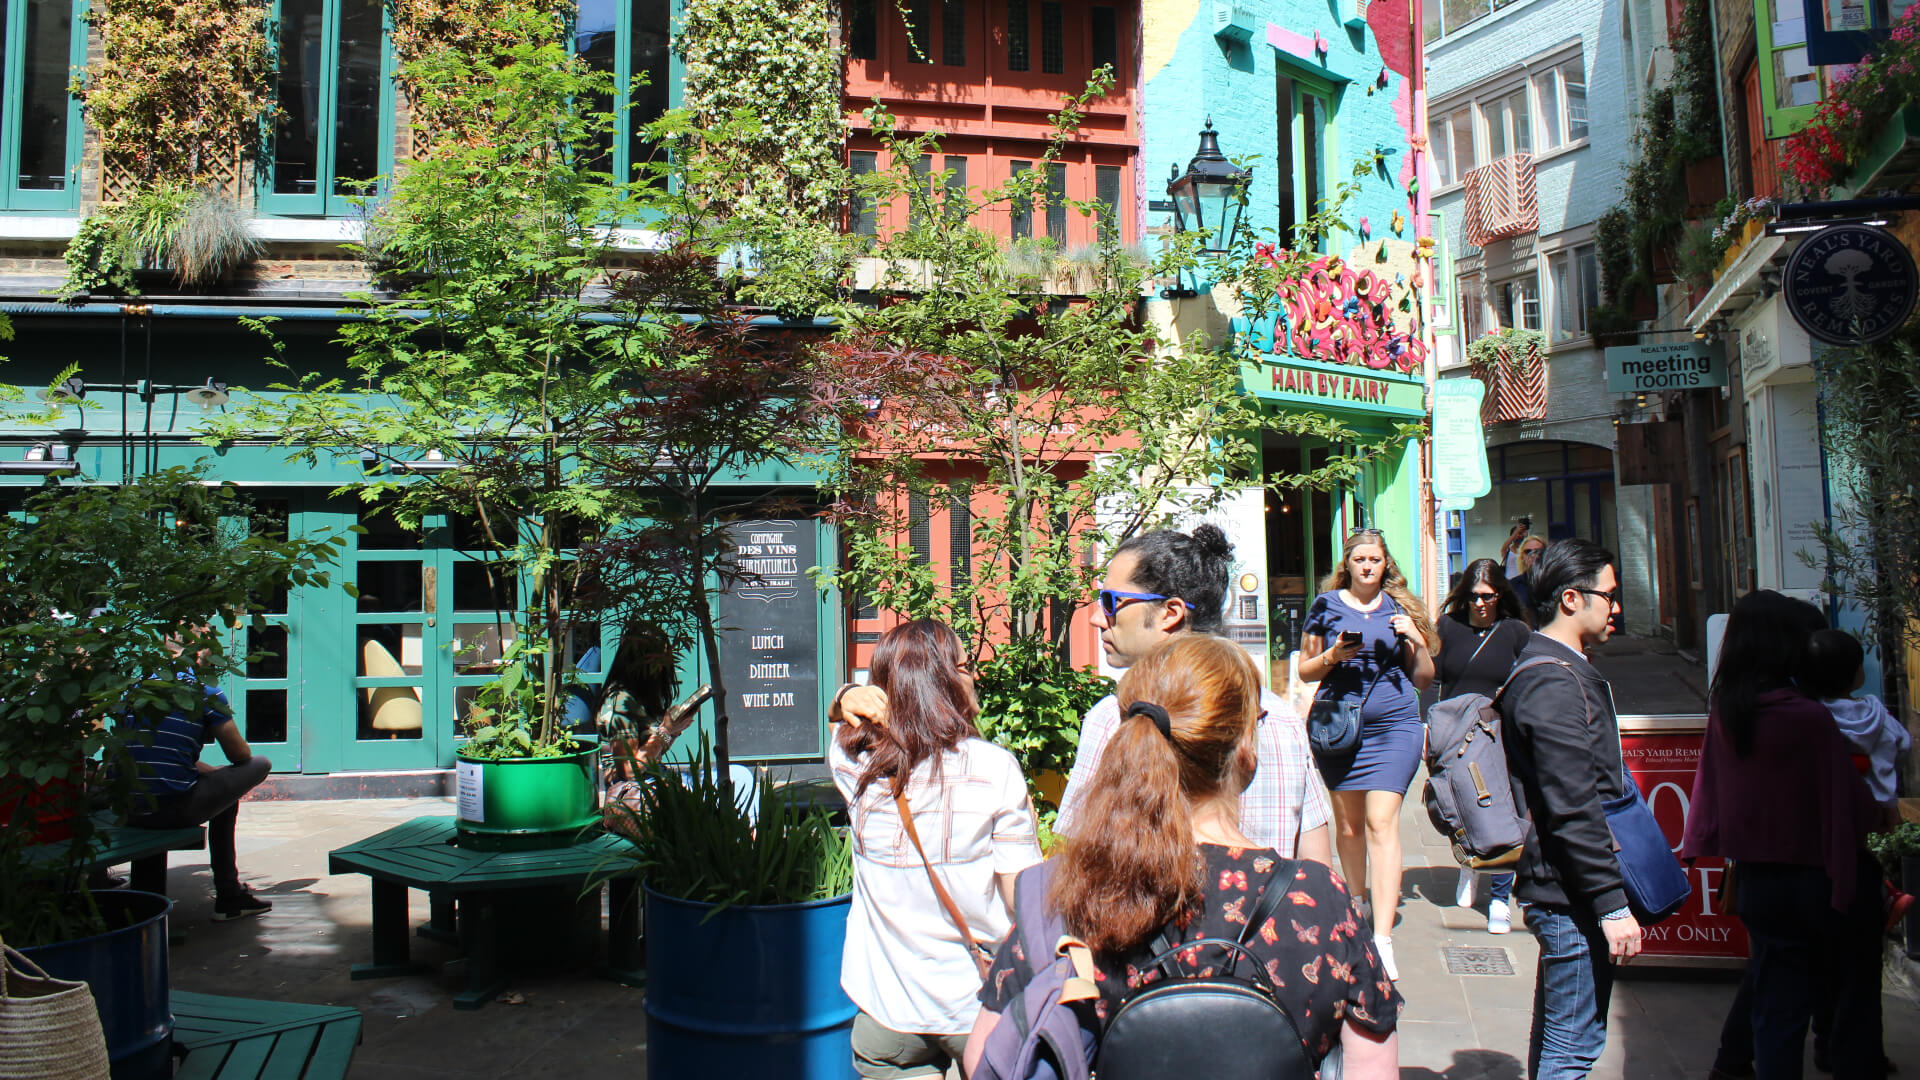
{"x": 1333, "y": 724}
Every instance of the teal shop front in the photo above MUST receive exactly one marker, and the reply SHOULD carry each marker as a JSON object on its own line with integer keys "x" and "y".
{"x": 376, "y": 682}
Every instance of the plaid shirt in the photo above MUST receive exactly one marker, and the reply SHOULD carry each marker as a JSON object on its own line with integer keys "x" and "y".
{"x": 1286, "y": 798}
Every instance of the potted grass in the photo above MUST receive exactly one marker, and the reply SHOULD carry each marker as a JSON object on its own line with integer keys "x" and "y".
{"x": 165, "y": 232}
{"x": 109, "y": 588}
{"x": 746, "y": 915}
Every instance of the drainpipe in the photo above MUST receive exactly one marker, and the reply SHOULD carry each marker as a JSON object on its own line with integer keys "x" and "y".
{"x": 1423, "y": 228}
{"x": 1720, "y": 98}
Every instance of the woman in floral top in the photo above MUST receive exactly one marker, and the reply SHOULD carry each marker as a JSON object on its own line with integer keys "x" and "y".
{"x": 1169, "y": 854}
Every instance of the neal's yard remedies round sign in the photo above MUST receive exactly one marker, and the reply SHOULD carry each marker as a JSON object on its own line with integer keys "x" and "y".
{"x": 1850, "y": 284}
{"x": 770, "y": 641}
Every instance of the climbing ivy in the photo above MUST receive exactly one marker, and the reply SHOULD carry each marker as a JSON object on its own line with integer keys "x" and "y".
{"x": 420, "y": 29}
{"x": 777, "y": 61}
{"x": 180, "y": 88}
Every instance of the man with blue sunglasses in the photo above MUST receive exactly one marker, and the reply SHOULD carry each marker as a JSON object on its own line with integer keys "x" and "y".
{"x": 1164, "y": 583}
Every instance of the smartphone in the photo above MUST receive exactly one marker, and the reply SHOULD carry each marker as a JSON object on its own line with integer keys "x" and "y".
{"x": 1350, "y": 637}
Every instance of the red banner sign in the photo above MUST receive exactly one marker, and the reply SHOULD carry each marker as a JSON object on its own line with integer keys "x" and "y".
{"x": 1663, "y": 764}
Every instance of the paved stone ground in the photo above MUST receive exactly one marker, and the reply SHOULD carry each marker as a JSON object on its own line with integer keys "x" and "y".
{"x": 1457, "y": 1027}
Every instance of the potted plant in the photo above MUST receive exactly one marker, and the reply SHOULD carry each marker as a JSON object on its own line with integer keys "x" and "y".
{"x": 1898, "y": 850}
{"x": 165, "y": 231}
{"x": 479, "y": 390}
{"x": 746, "y": 913}
{"x": 108, "y": 588}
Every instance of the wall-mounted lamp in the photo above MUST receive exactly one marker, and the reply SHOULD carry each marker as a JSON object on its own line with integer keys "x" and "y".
{"x": 208, "y": 395}
{"x": 1208, "y": 199}
{"x": 433, "y": 461}
{"x": 42, "y": 459}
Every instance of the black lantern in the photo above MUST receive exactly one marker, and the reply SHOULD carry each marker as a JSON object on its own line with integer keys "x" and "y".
{"x": 1209, "y": 199}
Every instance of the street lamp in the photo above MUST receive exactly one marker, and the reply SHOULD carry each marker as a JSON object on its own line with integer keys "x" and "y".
{"x": 1209, "y": 199}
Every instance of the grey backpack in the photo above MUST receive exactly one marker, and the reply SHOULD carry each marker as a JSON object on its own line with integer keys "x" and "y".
{"x": 1469, "y": 796}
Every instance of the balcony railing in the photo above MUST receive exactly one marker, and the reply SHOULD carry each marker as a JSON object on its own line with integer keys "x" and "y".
{"x": 1500, "y": 200}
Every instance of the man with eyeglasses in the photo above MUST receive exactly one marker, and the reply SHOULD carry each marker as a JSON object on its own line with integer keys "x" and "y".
{"x": 1164, "y": 583}
{"x": 1563, "y": 751}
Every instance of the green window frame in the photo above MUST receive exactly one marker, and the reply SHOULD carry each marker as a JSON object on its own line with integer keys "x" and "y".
{"x": 42, "y": 43}
{"x": 1780, "y": 37}
{"x": 336, "y": 94}
{"x": 625, "y": 38}
{"x": 1306, "y": 108}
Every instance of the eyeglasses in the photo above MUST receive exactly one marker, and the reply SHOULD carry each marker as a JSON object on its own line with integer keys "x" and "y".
{"x": 1483, "y": 597}
{"x": 1112, "y": 600}
{"x": 1611, "y": 598}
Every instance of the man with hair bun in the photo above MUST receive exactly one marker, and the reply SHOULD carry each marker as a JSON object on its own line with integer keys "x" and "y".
{"x": 1163, "y": 584}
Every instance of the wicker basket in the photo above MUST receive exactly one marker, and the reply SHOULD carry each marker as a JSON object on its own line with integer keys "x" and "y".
{"x": 49, "y": 1028}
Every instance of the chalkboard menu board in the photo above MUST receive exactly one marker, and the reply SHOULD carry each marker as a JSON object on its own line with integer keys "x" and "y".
{"x": 770, "y": 642}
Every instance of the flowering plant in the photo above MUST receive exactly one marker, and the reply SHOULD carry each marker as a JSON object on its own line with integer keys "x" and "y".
{"x": 1758, "y": 208}
{"x": 1858, "y": 104}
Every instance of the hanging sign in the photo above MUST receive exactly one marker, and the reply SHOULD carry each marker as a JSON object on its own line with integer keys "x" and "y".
{"x": 1850, "y": 284}
{"x": 1672, "y": 365}
{"x": 1459, "y": 441}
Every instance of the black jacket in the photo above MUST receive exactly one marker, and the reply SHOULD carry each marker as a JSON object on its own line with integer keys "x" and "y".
{"x": 1563, "y": 751}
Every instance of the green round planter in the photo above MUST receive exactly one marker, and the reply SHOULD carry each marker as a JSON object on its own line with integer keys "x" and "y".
{"x": 527, "y": 802}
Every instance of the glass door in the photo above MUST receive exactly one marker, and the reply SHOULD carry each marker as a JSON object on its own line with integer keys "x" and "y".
{"x": 263, "y": 692}
{"x": 398, "y": 639}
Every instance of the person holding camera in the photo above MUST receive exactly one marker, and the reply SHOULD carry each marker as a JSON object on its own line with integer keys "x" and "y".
{"x": 1367, "y": 639}
{"x": 1510, "y": 553}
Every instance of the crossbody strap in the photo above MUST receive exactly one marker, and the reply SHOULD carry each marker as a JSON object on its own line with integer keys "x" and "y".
{"x": 1271, "y": 894}
{"x": 939, "y": 888}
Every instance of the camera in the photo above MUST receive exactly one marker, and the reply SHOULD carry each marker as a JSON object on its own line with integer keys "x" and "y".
{"x": 1526, "y": 520}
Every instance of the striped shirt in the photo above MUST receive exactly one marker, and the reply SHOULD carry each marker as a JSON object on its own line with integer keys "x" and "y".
{"x": 1286, "y": 799}
{"x": 169, "y": 766}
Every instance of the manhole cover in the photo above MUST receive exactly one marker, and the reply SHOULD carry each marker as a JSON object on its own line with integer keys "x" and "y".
{"x": 1477, "y": 960}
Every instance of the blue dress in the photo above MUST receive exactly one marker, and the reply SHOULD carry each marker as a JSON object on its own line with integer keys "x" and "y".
{"x": 1391, "y": 731}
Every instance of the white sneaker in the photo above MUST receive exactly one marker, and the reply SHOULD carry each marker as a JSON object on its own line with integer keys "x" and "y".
{"x": 1499, "y": 918}
{"x": 1463, "y": 892}
{"x": 1384, "y": 946}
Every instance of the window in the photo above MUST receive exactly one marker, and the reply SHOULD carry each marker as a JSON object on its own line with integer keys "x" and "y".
{"x": 920, "y": 198}
{"x": 1022, "y": 210}
{"x": 41, "y": 43}
{"x": 1561, "y": 92}
{"x": 629, "y": 38}
{"x": 1508, "y": 128}
{"x": 863, "y": 29}
{"x": 1789, "y": 85}
{"x": 953, "y": 33}
{"x": 1105, "y": 25}
{"x": 1574, "y": 277}
{"x": 1053, "y": 38}
{"x": 919, "y": 15}
{"x": 960, "y": 540}
{"x": 954, "y": 195}
{"x": 1302, "y": 109}
{"x": 1106, "y": 192}
{"x": 1516, "y": 303}
{"x": 1454, "y": 14}
{"x": 1450, "y": 138}
{"x": 861, "y": 216}
{"x": 1057, "y": 203}
{"x": 1019, "y": 43}
{"x": 336, "y": 103}
{"x": 919, "y": 529}
{"x": 1471, "y": 303}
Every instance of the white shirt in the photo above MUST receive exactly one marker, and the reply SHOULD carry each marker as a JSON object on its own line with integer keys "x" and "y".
{"x": 905, "y": 963}
{"x": 1287, "y": 796}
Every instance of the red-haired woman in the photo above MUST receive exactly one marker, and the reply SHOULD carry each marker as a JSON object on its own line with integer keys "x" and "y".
{"x": 1168, "y": 855}
{"x": 907, "y": 964}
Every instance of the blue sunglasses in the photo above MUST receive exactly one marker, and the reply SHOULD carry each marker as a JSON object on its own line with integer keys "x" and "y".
{"x": 1112, "y": 600}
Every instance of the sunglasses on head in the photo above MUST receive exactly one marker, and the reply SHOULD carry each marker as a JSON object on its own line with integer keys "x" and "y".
{"x": 1112, "y": 600}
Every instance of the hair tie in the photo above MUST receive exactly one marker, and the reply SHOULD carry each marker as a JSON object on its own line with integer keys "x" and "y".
{"x": 1154, "y": 713}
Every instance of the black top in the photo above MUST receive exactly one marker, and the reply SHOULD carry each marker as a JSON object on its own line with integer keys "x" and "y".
{"x": 1316, "y": 949}
{"x": 1459, "y": 670}
{"x": 1563, "y": 752}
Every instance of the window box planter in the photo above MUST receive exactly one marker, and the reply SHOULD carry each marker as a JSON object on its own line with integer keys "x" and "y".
{"x": 1706, "y": 185}
{"x": 1891, "y": 161}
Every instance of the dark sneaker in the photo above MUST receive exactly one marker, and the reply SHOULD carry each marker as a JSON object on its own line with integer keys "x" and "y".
{"x": 239, "y": 905}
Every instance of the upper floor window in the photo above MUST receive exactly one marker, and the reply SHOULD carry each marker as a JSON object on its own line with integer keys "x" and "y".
{"x": 629, "y": 39}
{"x": 1516, "y": 302}
{"x": 1562, "y": 95}
{"x": 1450, "y": 139}
{"x": 1509, "y": 130}
{"x": 335, "y": 91}
{"x": 1789, "y": 84}
{"x": 41, "y": 43}
{"x": 1300, "y": 127}
{"x": 1574, "y": 278}
{"x": 1443, "y": 17}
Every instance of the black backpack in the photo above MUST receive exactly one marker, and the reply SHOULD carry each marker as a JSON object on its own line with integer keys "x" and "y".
{"x": 1235, "y": 1026}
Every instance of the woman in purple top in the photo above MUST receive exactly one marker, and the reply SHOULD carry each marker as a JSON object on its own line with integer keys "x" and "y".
{"x": 1776, "y": 791}
{"x": 1367, "y": 638}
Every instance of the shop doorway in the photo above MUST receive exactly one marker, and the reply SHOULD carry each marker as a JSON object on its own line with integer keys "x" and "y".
{"x": 1300, "y": 525}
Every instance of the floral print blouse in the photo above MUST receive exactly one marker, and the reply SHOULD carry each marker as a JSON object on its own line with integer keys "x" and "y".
{"x": 1317, "y": 952}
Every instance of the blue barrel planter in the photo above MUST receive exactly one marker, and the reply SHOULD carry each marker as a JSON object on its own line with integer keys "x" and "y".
{"x": 752, "y": 991}
{"x": 126, "y": 969}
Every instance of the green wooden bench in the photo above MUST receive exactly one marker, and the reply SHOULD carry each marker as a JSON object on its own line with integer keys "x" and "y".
{"x": 146, "y": 849}
{"x": 229, "y": 1038}
{"x": 491, "y": 900}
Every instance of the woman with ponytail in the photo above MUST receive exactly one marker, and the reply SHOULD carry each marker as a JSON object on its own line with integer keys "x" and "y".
{"x": 941, "y": 824}
{"x": 1367, "y": 639}
{"x": 1168, "y": 854}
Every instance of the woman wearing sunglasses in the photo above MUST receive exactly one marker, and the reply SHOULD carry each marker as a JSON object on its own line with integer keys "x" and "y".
{"x": 1482, "y": 632}
{"x": 1367, "y": 638}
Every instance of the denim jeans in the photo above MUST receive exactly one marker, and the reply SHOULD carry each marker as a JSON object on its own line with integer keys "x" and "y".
{"x": 1503, "y": 887}
{"x": 1570, "y": 994}
{"x": 1801, "y": 946}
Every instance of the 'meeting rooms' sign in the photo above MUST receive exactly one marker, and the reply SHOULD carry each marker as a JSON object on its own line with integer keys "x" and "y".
{"x": 1673, "y": 366}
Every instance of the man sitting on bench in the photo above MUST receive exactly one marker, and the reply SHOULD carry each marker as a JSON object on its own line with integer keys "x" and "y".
{"x": 181, "y": 791}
